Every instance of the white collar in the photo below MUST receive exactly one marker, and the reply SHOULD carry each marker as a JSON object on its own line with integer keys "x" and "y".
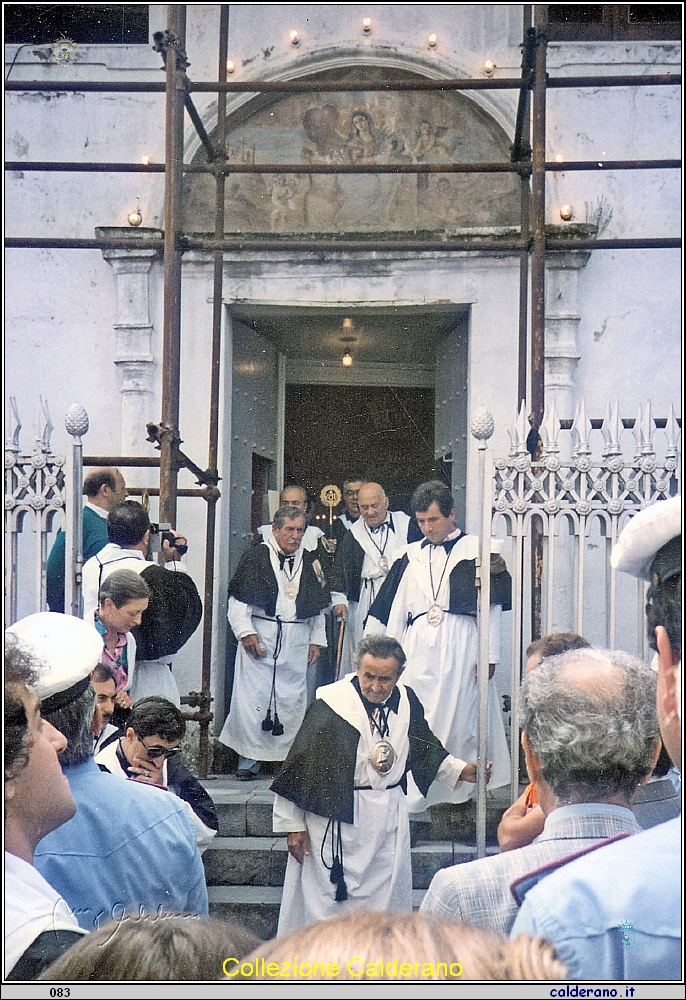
{"x": 97, "y": 510}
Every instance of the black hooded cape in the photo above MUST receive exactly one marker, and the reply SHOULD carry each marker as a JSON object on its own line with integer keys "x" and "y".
{"x": 254, "y": 582}
{"x": 318, "y": 773}
{"x": 463, "y": 591}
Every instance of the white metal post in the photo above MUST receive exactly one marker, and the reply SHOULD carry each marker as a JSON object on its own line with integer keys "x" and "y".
{"x": 76, "y": 422}
{"x": 482, "y": 429}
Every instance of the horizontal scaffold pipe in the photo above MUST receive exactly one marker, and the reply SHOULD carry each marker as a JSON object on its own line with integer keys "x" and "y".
{"x": 275, "y": 168}
{"x": 256, "y": 245}
{"x": 340, "y": 87}
{"x": 64, "y": 166}
{"x": 126, "y": 461}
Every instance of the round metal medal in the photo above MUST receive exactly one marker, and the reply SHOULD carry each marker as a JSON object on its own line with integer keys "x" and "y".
{"x": 435, "y": 615}
{"x": 382, "y": 757}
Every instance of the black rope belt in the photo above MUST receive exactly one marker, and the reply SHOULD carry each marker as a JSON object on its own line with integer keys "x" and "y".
{"x": 269, "y": 724}
{"x": 370, "y": 788}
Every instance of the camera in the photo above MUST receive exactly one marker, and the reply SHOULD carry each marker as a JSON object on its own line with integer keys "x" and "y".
{"x": 160, "y": 533}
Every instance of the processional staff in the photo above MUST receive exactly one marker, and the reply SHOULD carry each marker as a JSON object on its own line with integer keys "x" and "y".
{"x": 330, "y": 497}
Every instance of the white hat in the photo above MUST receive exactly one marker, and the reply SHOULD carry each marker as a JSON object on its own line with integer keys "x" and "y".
{"x": 645, "y": 537}
{"x": 67, "y": 649}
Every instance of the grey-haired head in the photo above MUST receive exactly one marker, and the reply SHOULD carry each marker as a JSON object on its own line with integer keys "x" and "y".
{"x": 589, "y": 717}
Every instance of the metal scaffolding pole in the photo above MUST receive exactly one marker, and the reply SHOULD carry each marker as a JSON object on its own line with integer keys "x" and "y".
{"x": 537, "y": 396}
{"x": 339, "y": 87}
{"x": 175, "y": 66}
{"x": 212, "y": 493}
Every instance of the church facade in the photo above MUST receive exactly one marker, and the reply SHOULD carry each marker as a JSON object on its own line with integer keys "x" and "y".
{"x": 86, "y": 324}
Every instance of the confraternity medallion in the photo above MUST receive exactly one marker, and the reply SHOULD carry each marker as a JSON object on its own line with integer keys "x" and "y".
{"x": 435, "y": 615}
{"x": 383, "y": 564}
{"x": 291, "y": 590}
{"x": 382, "y": 757}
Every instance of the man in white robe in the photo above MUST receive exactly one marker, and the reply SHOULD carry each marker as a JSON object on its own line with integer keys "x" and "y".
{"x": 276, "y": 601}
{"x": 341, "y": 794}
{"x": 363, "y": 558}
{"x": 428, "y": 603}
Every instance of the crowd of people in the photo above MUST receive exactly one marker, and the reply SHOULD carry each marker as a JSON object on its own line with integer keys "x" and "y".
{"x": 355, "y": 686}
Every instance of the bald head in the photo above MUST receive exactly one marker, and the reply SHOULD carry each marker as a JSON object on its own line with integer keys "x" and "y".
{"x": 589, "y": 719}
{"x": 294, "y": 496}
{"x": 373, "y": 504}
{"x": 105, "y": 487}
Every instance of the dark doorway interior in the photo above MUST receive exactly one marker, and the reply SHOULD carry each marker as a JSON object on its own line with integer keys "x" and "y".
{"x": 382, "y": 433}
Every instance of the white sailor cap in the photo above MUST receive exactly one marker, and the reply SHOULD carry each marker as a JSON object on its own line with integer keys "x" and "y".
{"x": 649, "y": 547}
{"x": 66, "y": 649}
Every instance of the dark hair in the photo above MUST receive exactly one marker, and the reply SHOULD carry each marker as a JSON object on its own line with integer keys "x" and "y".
{"x": 380, "y": 646}
{"x": 103, "y": 673}
{"x": 127, "y": 523}
{"x": 20, "y": 671}
{"x": 353, "y": 479}
{"x": 288, "y": 512}
{"x": 556, "y": 643}
{"x": 123, "y": 586}
{"x": 156, "y": 716}
{"x": 433, "y": 492}
{"x": 98, "y": 478}
{"x": 664, "y": 608}
{"x": 154, "y": 947}
{"x": 74, "y": 722}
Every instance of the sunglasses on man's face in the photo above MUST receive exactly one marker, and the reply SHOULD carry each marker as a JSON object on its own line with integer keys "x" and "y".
{"x": 155, "y": 752}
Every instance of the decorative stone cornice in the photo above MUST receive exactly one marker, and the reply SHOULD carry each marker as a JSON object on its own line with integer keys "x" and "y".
{"x": 133, "y": 328}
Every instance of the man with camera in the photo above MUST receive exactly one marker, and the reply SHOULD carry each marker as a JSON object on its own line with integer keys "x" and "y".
{"x": 174, "y": 610}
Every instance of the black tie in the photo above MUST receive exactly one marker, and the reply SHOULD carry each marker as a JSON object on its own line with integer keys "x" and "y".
{"x": 379, "y": 527}
{"x": 283, "y": 558}
{"x": 448, "y": 546}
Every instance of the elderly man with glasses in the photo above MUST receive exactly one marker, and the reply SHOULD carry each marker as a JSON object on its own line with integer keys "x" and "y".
{"x": 148, "y": 750}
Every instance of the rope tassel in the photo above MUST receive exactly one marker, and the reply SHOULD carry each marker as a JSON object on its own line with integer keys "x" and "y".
{"x": 337, "y": 875}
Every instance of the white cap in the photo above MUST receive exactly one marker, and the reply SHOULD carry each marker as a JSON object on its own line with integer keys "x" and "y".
{"x": 645, "y": 535}
{"x": 66, "y": 648}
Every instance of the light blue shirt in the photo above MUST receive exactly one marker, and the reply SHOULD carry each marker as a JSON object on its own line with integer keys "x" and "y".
{"x": 129, "y": 847}
{"x": 616, "y": 913}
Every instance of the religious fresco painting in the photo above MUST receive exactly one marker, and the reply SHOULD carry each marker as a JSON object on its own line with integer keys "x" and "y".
{"x": 383, "y": 128}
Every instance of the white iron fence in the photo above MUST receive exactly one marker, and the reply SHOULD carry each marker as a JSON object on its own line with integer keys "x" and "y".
{"x": 34, "y": 493}
{"x": 592, "y": 476}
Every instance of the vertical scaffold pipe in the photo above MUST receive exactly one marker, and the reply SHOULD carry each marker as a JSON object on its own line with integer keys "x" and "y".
{"x": 175, "y": 66}
{"x": 538, "y": 208}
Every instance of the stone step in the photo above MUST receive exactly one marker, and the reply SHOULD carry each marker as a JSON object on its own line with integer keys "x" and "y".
{"x": 257, "y": 907}
{"x": 245, "y": 810}
{"x": 261, "y": 861}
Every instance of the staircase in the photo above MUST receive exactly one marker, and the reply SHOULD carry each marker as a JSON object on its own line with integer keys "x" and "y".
{"x": 246, "y": 862}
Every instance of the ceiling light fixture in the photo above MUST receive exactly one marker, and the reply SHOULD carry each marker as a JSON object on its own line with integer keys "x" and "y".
{"x": 347, "y": 358}
{"x": 230, "y": 67}
{"x": 294, "y": 37}
{"x": 432, "y": 40}
{"x": 367, "y": 25}
{"x": 489, "y": 66}
{"x": 566, "y": 213}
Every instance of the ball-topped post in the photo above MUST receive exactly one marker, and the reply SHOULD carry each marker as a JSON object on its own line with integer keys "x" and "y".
{"x": 77, "y": 424}
{"x": 483, "y": 424}
{"x": 482, "y": 428}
